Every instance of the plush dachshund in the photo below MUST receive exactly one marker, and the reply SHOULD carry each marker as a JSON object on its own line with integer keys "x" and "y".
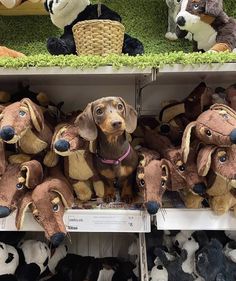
{"x": 212, "y": 29}
{"x": 174, "y": 117}
{"x": 152, "y": 178}
{"x": 22, "y": 123}
{"x": 215, "y": 126}
{"x": 48, "y": 202}
{"x": 106, "y": 121}
{"x": 219, "y": 165}
{"x": 182, "y": 177}
{"x": 78, "y": 161}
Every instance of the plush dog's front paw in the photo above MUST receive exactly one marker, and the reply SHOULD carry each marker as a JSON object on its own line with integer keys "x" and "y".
{"x": 171, "y": 36}
{"x": 108, "y": 198}
{"x": 56, "y": 46}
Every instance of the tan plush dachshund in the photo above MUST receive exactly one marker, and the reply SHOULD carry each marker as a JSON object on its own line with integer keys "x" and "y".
{"x": 6, "y": 52}
{"x": 215, "y": 126}
{"x": 23, "y": 123}
{"x": 152, "y": 179}
{"x": 218, "y": 164}
{"x": 78, "y": 161}
{"x": 183, "y": 177}
{"x": 48, "y": 202}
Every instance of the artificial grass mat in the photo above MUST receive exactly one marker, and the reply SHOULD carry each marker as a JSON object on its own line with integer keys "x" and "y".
{"x": 144, "y": 19}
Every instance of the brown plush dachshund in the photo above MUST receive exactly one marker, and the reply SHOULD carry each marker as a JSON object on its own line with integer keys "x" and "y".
{"x": 107, "y": 120}
{"x": 48, "y": 202}
{"x": 152, "y": 178}
{"x": 78, "y": 161}
{"x": 23, "y": 123}
{"x": 16, "y": 182}
{"x": 218, "y": 164}
{"x": 215, "y": 126}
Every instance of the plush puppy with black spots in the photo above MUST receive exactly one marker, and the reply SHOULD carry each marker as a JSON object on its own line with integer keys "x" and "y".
{"x": 66, "y": 13}
{"x": 212, "y": 29}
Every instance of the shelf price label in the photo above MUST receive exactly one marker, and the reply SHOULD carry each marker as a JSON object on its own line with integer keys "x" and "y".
{"x": 106, "y": 223}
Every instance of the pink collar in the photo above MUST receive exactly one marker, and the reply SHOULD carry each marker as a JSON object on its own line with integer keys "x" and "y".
{"x": 115, "y": 162}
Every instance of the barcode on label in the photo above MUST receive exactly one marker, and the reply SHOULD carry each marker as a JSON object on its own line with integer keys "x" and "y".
{"x": 3, "y": 223}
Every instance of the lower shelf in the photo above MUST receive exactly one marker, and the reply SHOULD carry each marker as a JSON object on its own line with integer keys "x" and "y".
{"x": 194, "y": 219}
{"x": 89, "y": 221}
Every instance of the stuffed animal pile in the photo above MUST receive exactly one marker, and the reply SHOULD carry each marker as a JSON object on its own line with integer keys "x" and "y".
{"x": 27, "y": 260}
{"x": 191, "y": 256}
{"x": 52, "y": 161}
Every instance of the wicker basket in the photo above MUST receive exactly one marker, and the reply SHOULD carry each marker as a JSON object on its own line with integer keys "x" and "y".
{"x": 98, "y": 37}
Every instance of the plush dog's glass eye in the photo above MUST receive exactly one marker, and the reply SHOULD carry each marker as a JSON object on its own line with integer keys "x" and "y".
{"x": 99, "y": 111}
{"x": 223, "y": 158}
{"x": 182, "y": 168}
{"x": 208, "y": 133}
{"x": 163, "y": 182}
{"x": 55, "y": 208}
{"x": 22, "y": 113}
{"x": 142, "y": 182}
{"x": 19, "y": 186}
{"x": 120, "y": 106}
{"x": 195, "y": 6}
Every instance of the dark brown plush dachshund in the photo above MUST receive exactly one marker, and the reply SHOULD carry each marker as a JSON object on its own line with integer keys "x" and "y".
{"x": 107, "y": 120}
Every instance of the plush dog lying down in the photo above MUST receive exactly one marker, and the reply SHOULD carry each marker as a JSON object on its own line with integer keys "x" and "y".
{"x": 212, "y": 29}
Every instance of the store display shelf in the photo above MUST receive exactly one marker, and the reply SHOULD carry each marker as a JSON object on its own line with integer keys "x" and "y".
{"x": 194, "y": 219}
{"x": 99, "y": 220}
{"x": 70, "y": 75}
{"x": 210, "y": 73}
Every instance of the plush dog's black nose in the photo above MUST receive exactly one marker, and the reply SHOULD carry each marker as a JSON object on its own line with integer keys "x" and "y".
{"x": 233, "y": 136}
{"x": 200, "y": 188}
{"x": 62, "y": 145}
{"x": 57, "y": 238}
{"x": 181, "y": 21}
{"x": 4, "y": 212}
{"x": 7, "y": 133}
{"x": 152, "y": 207}
{"x": 116, "y": 124}
{"x": 160, "y": 267}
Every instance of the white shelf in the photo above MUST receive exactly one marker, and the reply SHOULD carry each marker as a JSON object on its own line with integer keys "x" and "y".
{"x": 102, "y": 220}
{"x": 210, "y": 73}
{"x": 70, "y": 76}
{"x": 194, "y": 219}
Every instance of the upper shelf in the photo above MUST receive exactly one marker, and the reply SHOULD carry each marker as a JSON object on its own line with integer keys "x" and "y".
{"x": 210, "y": 73}
{"x": 99, "y": 220}
{"x": 194, "y": 219}
{"x": 69, "y": 75}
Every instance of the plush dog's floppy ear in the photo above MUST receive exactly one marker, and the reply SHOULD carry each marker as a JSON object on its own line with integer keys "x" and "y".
{"x": 130, "y": 117}
{"x": 185, "y": 147}
{"x": 35, "y": 114}
{"x": 61, "y": 188}
{"x": 213, "y": 7}
{"x": 204, "y": 159}
{"x": 85, "y": 122}
{"x": 22, "y": 207}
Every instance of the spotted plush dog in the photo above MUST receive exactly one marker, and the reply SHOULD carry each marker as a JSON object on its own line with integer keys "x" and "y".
{"x": 212, "y": 29}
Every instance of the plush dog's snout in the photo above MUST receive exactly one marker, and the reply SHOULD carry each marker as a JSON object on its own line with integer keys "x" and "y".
{"x": 4, "y": 212}
{"x": 233, "y": 136}
{"x": 7, "y": 133}
{"x": 200, "y": 188}
{"x": 62, "y": 145}
{"x": 152, "y": 207}
{"x": 57, "y": 238}
{"x": 181, "y": 21}
{"x": 116, "y": 124}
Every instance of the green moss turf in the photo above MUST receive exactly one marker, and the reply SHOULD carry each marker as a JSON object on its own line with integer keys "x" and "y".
{"x": 144, "y": 19}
